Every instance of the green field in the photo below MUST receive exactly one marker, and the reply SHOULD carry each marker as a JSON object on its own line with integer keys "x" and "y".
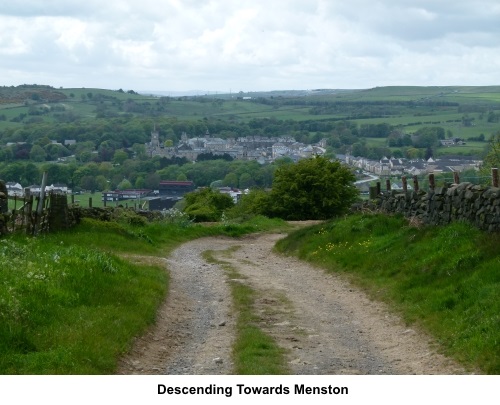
{"x": 283, "y": 105}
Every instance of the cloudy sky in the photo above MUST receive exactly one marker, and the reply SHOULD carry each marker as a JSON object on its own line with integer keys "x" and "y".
{"x": 249, "y": 45}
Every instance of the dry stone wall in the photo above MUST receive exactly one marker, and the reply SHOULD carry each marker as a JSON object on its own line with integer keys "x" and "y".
{"x": 479, "y": 205}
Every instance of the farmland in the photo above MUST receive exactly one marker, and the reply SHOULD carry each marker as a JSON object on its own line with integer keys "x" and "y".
{"x": 79, "y": 128}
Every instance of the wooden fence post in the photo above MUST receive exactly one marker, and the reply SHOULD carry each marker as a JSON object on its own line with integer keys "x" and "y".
{"x": 456, "y": 177}
{"x": 415, "y": 184}
{"x": 4, "y": 197}
{"x": 494, "y": 177}
{"x": 90, "y": 202}
{"x": 378, "y": 187}
{"x": 432, "y": 181}
{"x": 405, "y": 184}
{"x": 28, "y": 206}
{"x": 40, "y": 205}
{"x": 39, "y": 208}
{"x": 388, "y": 185}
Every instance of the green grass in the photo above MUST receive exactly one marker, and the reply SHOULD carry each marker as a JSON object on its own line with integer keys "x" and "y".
{"x": 67, "y": 308}
{"x": 83, "y": 200}
{"x": 71, "y": 304}
{"x": 254, "y": 351}
{"x": 444, "y": 279}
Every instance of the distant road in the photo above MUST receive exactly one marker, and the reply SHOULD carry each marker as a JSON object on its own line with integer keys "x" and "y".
{"x": 372, "y": 177}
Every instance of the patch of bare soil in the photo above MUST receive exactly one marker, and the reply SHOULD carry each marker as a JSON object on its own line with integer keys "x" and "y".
{"x": 327, "y": 325}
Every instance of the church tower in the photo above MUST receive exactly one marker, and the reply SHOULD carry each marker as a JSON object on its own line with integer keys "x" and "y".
{"x": 155, "y": 138}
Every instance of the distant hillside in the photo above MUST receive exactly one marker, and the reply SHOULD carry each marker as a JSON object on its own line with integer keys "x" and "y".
{"x": 32, "y": 93}
{"x": 226, "y": 95}
{"x": 464, "y": 112}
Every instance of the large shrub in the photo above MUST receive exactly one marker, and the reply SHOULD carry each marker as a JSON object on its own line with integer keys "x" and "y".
{"x": 314, "y": 188}
{"x": 207, "y": 205}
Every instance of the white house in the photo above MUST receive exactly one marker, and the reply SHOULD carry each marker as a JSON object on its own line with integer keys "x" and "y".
{"x": 14, "y": 189}
{"x": 58, "y": 188}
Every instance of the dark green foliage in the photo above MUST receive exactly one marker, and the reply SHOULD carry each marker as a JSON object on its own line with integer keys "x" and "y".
{"x": 207, "y": 205}
{"x": 314, "y": 188}
{"x": 256, "y": 202}
{"x": 492, "y": 158}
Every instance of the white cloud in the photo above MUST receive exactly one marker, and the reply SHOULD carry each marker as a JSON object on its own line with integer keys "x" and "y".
{"x": 249, "y": 44}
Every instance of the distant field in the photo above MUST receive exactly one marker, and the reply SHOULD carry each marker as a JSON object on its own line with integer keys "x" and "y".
{"x": 83, "y": 200}
{"x": 460, "y": 94}
{"x": 476, "y": 148}
{"x": 370, "y": 106}
{"x": 471, "y": 148}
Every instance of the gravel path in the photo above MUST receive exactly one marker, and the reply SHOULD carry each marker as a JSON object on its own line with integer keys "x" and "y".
{"x": 327, "y": 325}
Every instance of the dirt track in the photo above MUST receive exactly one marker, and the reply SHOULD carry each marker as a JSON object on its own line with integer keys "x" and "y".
{"x": 326, "y": 325}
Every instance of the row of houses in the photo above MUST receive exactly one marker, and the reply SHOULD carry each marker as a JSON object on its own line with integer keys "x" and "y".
{"x": 258, "y": 148}
{"x": 415, "y": 167}
{"x": 66, "y": 142}
{"x": 17, "y": 190}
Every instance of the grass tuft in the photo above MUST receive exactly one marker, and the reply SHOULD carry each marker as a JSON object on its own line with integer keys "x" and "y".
{"x": 254, "y": 351}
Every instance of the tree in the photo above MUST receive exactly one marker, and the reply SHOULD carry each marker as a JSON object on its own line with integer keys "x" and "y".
{"x": 314, "y": 188}
{"x": 231, "y": 180}
{"x": 207, "y": 205}
{"x": 37, "y": 153}
{"x": 139, "y": 150}
{"x": 101, "y": 183}
{"x": 55, "y": 151}
{"x": 88, "y": 183}
{"x": 246, "y": 180}
{"x": 120, "y": 156}
{"x": 6, "y": 155}
{"x": 152, "y": 181}
{"x": 105, "y": 151}
{"x": 57, "y": 173}
{"x": 256, "y": 202}
{"x": 124, "y": 185}
{"x": 429, "y": 137}
{"x": 492, "y": 157}
{"x": 140, "y": 183}
{"x": 12, "y": 172}
{"x": 31, "y": 174}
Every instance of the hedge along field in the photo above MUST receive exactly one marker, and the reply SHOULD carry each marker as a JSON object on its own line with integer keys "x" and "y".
{"x": 444, "y": 279}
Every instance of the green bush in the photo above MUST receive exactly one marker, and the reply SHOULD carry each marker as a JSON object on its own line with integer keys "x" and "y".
{"x": 314, "y": 188}
{"x": 128, "y": 216}
{"x": 207, "y": 205}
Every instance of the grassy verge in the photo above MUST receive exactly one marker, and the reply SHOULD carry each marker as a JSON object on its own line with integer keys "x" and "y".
{"x": 70, "y": 309}
{"x": 70, "y": 305}
{"x": 254, "y": 352}
{"x": 445, "y": 279}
